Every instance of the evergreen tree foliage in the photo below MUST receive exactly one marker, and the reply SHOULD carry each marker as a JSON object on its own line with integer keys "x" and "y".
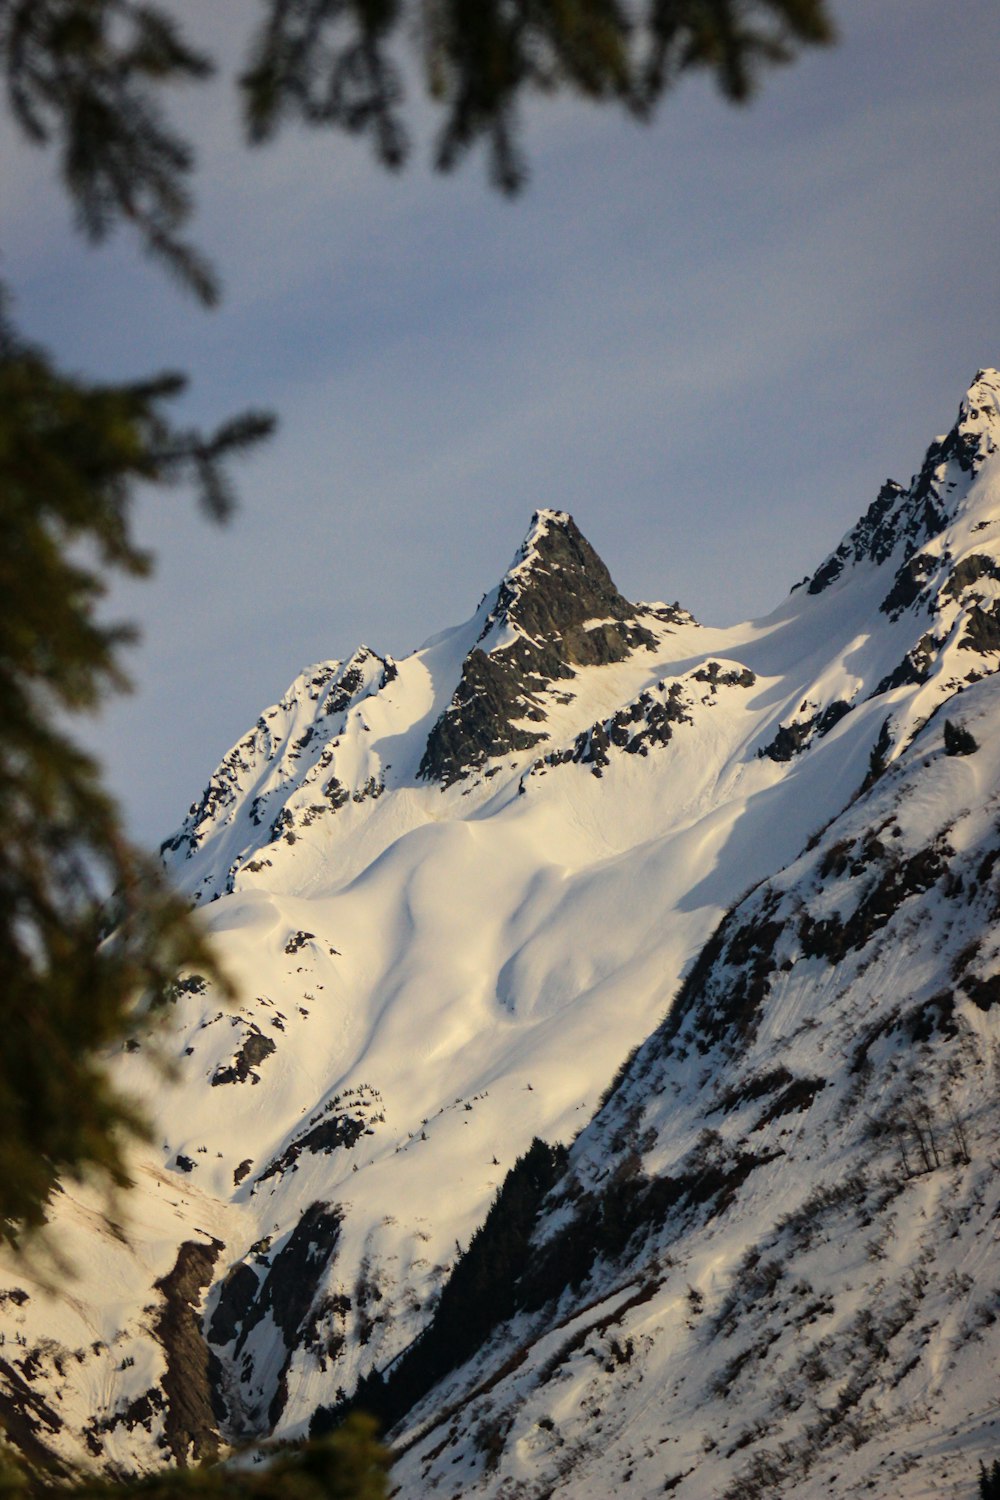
{"x": 71, "y": 457}
{"x": 330, "y": 63}
{"x": 481, "y": 1293}
{"x": 958, "y": 740}
{"x": 351, "y": 1464}
{"x": 88, "y": 75}
{"x": 989, "y": 1481}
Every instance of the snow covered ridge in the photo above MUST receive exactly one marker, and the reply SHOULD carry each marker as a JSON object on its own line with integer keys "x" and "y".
{"x": 284, "y": 759}
{"x": 899, "y": 520}
{"x": 473, "y": 696}
{"x": 456, "y": 891}
{"x": 929, "y": 551}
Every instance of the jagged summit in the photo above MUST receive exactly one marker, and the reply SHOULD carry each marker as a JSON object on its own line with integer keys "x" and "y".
{"x": 980, "y": 407}
{"x": 522, "y": 687}
{"x": 899, "y": 520}
{"x": 556, "y": 609}
{"x": 344, "y": 732}
{"x": 926, "y": 559}
{"x": 279, "y": 774}
{"x": 555, "y": 582}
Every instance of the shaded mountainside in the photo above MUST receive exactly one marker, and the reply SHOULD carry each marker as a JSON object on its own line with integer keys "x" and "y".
{"x": 455, "y": 891}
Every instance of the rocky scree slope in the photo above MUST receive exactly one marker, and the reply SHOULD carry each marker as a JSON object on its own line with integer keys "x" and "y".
{"x": 455, "y": 891}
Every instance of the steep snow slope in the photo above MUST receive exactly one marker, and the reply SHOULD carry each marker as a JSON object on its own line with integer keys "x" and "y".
{"x": 455, "y": 891}
{"x": 770, "y": 1265}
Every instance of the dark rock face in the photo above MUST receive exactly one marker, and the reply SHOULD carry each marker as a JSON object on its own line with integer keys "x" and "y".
{"x": 969, "y": 571}
{"x": 492, "y": 692}
{"x": 298, "y": 940}
{"x": 914, "y": 668}
{"x": 716, "y": 676}
{"x": 792, "y": 739}
{"x": 896, "y": 881}
{"x": 914, "y": 579}
{"x": 722, "y": 999}
{"x": 28, "y": 1421}
{"x": 563, "y": 584}
{"x": 985, "y": 993}
{"x": 190, "y": 1420}
{"x": 560, "y": 597}
{"x": 236, "y": 1297}
{"x": 799, "y": 1095}
{"x": 334, "y": 689}
{"x": 141, "y": 1412}
{"x": 290, "y": 1284}
{"x": 874, "y": 537}
{"x": 330, "y": 1134}
{"x": 909, "y": 584}
{"x": 982, "y": 631}
{"x": 635, "y": 729}
{"x": 290, "y": 1287}
{"x": 253, "y": 1052}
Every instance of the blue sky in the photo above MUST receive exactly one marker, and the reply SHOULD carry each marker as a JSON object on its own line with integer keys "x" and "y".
{"x": 710, "y": 338}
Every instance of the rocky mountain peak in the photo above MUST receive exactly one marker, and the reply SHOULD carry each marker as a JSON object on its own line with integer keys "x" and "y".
{"x": 973, "y": 438}
{"x": 979, "y": 411}
{"x": 278, "y": 778}
{"x": 556, "y": 609}
{"x": 901, "y": 520}
{"x": 555, "y": 582}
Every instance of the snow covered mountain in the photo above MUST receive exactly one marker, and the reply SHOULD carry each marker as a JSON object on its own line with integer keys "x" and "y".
{"x": 456, "y": 891}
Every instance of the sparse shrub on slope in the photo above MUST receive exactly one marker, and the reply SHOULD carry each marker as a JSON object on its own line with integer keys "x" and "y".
{"x": 958, "y": 740}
